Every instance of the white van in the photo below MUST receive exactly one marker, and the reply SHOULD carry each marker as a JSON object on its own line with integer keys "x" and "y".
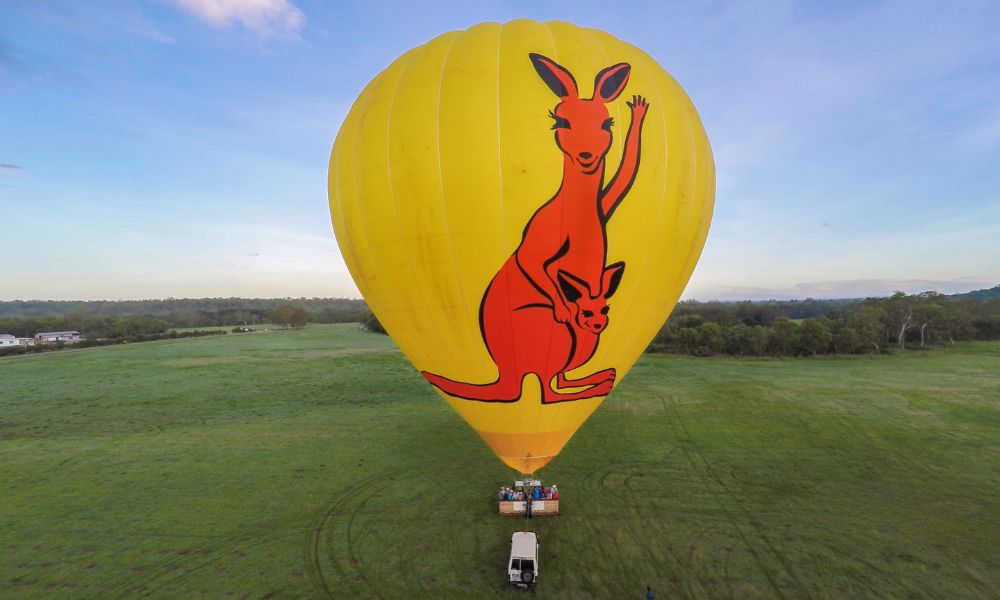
{"x": 522, "y": 568}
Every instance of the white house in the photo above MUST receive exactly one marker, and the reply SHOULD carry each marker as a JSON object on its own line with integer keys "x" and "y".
{"x": 59, "y": 337}
{"x": 7, "y": 339}
{"x": 25, "y": 341}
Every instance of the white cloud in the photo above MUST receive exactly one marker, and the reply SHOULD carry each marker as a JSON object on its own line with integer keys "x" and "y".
{"x": 263, "y": 17}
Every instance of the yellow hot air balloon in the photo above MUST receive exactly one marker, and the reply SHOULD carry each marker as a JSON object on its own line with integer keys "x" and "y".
{"x": 521, "y": 232}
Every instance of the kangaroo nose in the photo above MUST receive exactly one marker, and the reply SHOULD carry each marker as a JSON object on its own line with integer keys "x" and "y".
{"x": 585, "y": 155}
{"x": 598, "y": 325}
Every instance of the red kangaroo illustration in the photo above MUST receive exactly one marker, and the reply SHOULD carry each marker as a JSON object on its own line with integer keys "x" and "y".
{"x": 545, "y": 309}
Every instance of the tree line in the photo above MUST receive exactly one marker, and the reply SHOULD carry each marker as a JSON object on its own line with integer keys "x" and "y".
{"x": 832, "y": 327}
{"x": 191, "y": 312}
{"x": 142, "y": 328}
{"x": 774, "y": 328}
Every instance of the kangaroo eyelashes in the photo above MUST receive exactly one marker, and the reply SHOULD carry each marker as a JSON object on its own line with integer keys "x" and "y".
{"x": 560, "y": 123}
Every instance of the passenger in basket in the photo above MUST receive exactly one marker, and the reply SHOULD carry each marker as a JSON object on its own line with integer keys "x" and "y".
{"x": 536, "y": 494}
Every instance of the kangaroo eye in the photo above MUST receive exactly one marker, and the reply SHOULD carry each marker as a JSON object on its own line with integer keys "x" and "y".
{"x": 560, "y": 123}
{"x": 606, "y": 126}
{"x": 588, "y": 313}
{"x": 605, "y": 310}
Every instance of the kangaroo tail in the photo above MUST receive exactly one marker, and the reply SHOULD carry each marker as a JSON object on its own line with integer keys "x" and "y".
{"x": 504, "y": 389}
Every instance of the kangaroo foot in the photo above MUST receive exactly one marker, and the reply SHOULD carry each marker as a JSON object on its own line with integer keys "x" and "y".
{"x": 551, "y": 396}
{"x": 593, "y": 379}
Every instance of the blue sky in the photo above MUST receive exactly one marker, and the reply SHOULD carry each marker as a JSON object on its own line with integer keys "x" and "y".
{"x": 179, "y": 147}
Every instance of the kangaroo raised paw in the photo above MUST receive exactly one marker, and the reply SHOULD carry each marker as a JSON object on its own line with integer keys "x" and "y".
{"x": 639, "y": 106}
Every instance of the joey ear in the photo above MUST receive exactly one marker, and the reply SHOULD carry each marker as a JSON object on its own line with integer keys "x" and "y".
{"x": 610, "y": 82}
{"x": 559, "y": 80}
{"x": 572, "y": 288}
{"x": 611, "y": 278}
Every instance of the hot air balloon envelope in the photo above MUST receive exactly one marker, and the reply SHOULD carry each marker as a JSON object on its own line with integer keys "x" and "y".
{"x": 521, "y": 205}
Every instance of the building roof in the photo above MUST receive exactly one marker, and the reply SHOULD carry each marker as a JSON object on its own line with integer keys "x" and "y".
{"x": 57, "y": 333}
{"x": 6, "y": 336}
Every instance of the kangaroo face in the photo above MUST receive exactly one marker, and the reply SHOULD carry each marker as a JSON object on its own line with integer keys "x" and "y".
{"x": 582, "y": 125}
{"x": 583, "y": 132}
{"x": 591, "y": 312}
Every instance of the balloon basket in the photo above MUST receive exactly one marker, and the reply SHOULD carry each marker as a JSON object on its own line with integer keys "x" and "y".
{"x": 518, "y": 507}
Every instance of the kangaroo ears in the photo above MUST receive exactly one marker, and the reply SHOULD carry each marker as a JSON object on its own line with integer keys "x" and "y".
{"x": 559, "y": 80}
{"x": 611, "y": 278}
{"x": 610, "y": 82}
{"x": 572, "y": 287}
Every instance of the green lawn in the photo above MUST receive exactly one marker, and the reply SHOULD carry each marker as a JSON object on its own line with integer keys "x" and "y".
{"x": 317, "y": 463}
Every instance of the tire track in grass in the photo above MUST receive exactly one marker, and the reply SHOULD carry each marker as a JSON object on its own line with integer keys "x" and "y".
{"x": 685, "y": 568}
{"x": 596, "y": 477}
{"x": 405, "y": 560}
{"x": 173, "y": 568}
{"x": 647, "y": 525}
{"x": 625, "y": 493}
{"x": 720, "y": 471}
{"x": 179, "y": 575}
{"x": 637, "y": 531}
{"x": 752, "y": 520}
{"x": 457, "y": 557}
{"x": 312, "y": 556}
{"x": 330, "y": 546}
{"x": 676, "y": 424}
{"x": 311, "y": 562}
{"x": 360, "y": 574}
{"x": 140, "y": 583}
{"x": 729, "y": 551}
{"x": 894, "y": 456}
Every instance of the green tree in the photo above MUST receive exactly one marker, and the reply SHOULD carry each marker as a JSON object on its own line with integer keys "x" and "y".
{"x": 846, "y": 340}
{"x": 814, "y": 336}
{"x": 781, "y": 337}
{"x": 956, "y": 323}
{"x": 869, "y": 323}
{"x": 928, "y": 313}
{"x": 289, "y": 315}
{"x": 710, "y": 339}
{"x": 371, "y": 323}
{"x": 739, "y": 338}
{"x": 758, "y": 340}
{"x": 687, "y": 338}
{"x": 899, "y": 310}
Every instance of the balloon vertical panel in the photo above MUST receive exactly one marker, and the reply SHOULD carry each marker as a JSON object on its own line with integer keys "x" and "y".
{"x": 469, "y": 174}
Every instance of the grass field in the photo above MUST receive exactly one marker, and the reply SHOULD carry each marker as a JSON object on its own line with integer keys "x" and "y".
{"x": 317, "y": 463}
